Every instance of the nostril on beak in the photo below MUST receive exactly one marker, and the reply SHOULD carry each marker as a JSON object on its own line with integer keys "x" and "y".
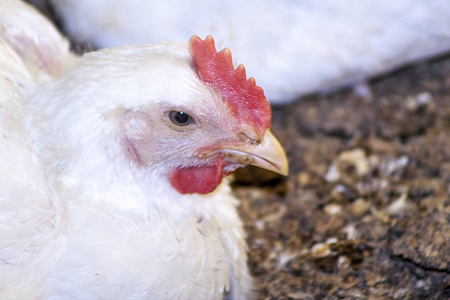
{"x": 249, "y": 135}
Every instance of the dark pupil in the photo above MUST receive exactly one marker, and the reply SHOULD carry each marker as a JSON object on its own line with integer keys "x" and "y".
{"x": 180, "y": 118}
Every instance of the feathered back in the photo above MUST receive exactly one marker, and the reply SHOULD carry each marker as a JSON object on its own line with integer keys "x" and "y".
{"x": 29, "y": 208}
{"x": 42, "y": 48}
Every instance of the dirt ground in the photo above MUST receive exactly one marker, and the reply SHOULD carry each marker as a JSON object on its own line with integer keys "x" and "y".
{"x": 365, "y": 210}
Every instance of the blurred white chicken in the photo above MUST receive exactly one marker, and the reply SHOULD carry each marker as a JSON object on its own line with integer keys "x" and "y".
{"x": 294, "y": 47}
{"x": 111, "y": 167}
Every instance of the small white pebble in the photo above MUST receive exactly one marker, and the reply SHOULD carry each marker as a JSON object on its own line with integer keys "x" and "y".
{"x": 424, "y": 98}
{"x": 358, "y": 158}
{"x": 343, "y": 263}
{"x": 401, "y": 206}
{"x": 415, "y": 102}
{"x": 351, "y": 232}
{"x": 340, "y": 188}
{"x": 320, "y": 250}
{"x": 332, "y": 174}
{"x": 259, "y": 224}
{"x": 284, "y": 258}
{"x": 331, "y": 241}
{"x": 396, "y": 164}
{"x": 333, "y": 209}
{"x": 420, "y": 284}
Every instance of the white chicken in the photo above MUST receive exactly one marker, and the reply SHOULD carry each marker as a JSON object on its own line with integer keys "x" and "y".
{"x": 295, "y": 46}
{"x": 112, "y": 169}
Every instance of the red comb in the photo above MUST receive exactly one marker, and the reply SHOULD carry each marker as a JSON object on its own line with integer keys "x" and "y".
{"x": 245, "y": 98}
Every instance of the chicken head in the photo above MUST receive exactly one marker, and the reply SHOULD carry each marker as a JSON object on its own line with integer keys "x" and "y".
{"x": 158, "y": 103}
{"x": 222, "y": 126}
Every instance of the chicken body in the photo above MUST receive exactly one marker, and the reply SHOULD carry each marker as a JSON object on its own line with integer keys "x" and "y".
{"x": 90, "y": 205}
{"x": 131, "y": 233}
{"x": 123, "y": 231}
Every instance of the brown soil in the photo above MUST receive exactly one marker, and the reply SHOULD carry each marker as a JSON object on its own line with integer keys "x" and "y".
{"x": 365, "y": 210}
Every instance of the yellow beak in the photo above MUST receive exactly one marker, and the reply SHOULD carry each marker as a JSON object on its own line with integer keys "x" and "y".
{"x": 267, "y": 154}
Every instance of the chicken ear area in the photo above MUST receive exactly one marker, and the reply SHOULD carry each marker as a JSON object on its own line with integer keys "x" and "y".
{"x": 200, "y": 180}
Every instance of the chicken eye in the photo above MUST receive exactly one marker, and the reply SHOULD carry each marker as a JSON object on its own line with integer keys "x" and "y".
{"x": 180, "y": 118}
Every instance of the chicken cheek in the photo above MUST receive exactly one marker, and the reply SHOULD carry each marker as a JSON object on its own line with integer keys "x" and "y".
{"x": 200, "y": 180}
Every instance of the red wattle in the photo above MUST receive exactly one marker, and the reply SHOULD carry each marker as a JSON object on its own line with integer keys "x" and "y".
{"x": 200, "y": 180}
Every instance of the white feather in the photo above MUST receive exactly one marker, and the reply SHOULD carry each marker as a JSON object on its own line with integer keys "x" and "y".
{"x": 291, "y": 47}
{"x": 78, "y": 220}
